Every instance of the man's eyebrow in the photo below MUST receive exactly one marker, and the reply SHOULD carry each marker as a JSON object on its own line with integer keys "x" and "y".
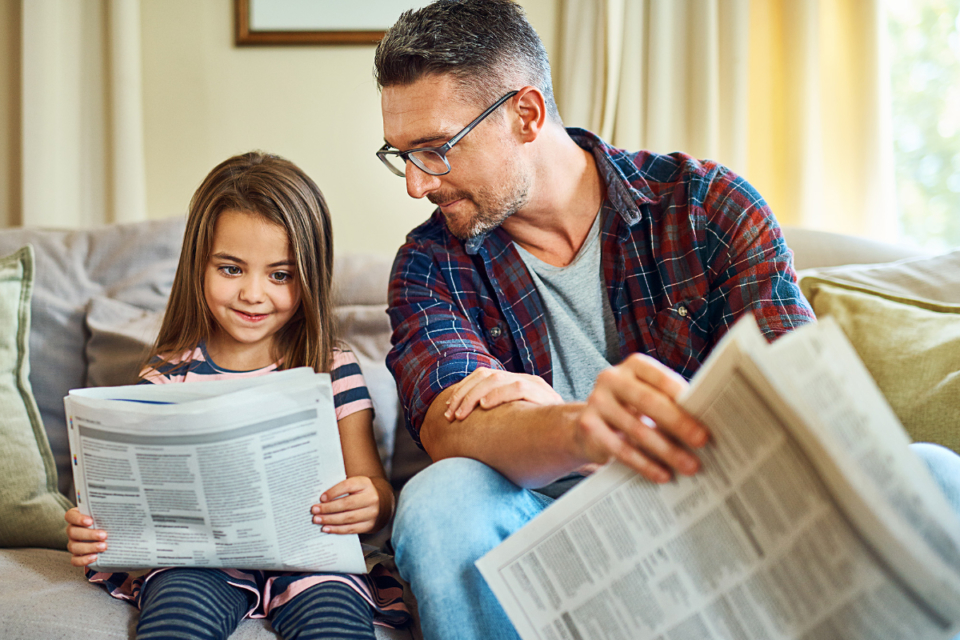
{"x": 437, "y": 137}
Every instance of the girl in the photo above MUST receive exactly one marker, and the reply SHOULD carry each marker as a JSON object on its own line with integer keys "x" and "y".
{"x": 252, "y": 295}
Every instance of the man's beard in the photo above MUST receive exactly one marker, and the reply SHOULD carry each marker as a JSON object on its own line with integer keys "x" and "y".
{"x": 491, "y": 210}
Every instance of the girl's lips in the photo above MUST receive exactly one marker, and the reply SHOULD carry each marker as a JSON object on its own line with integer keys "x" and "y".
{"x": 250, "y": 317}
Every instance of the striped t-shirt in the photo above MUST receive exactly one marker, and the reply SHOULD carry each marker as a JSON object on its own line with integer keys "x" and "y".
{"x": 273, "y": 588}
{"x": 349, "y": 389}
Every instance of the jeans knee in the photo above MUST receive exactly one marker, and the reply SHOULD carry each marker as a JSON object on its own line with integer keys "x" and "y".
{"x": 456, "y": 509}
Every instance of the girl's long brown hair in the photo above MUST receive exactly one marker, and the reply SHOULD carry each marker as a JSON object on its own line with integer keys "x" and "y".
{"x": 278, "y": 191}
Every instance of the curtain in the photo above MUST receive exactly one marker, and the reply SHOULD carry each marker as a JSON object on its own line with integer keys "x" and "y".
{"x": 82, "y": 156}
{"x": 791, "y": 94}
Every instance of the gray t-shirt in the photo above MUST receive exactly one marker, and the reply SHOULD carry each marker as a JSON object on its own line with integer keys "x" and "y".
{"x": 580, "y": 324}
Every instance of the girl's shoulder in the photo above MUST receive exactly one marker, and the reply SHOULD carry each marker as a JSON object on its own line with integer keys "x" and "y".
{"x": 343, "y": 357}
{"x": 166, "y": 368}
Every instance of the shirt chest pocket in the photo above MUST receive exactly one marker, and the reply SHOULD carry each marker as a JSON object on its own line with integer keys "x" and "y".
{"x": 679, "y": 332}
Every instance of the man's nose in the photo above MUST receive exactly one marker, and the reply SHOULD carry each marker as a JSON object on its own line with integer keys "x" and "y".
{"x": 420, "y": 183}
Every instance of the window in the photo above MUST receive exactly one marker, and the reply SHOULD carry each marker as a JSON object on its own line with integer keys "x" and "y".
{"x": 925, "y": 85}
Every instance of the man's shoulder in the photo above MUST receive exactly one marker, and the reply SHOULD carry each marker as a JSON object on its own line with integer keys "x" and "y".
{"x": 645, "y": 169}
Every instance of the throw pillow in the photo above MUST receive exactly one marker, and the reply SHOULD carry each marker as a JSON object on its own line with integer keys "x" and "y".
{"x": 911, "y": 346}
{"x": 31, "y": 508}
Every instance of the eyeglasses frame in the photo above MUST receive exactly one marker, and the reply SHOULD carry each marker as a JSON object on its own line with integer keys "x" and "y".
{"x": 442, "y": 150}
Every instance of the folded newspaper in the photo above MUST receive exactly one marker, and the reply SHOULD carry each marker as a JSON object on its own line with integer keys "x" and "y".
{"x": 211, "y": 474}
{"x": 810, "y": 519}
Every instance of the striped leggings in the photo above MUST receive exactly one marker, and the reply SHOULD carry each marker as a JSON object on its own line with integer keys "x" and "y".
{"x": 200, "y": 605}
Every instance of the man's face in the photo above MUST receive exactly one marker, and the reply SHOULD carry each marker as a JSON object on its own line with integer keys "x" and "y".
{"x": 487, "y": 182}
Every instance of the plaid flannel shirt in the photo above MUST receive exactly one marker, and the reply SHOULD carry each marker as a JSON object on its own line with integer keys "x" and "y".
{"x": 690, "y": 247}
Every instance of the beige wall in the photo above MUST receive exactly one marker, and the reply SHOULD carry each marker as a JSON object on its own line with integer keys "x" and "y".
{"x": 9, "y": 113}
{"x": 205, "y": 99}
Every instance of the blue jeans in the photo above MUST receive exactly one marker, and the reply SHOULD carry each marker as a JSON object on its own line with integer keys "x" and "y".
{"x": 456, "y": 510}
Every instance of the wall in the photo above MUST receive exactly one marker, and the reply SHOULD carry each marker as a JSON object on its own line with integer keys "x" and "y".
{"x": 205, "y": 99}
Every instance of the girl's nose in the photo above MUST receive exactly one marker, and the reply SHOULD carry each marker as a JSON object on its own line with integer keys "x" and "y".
{"x": 252, "y": 290}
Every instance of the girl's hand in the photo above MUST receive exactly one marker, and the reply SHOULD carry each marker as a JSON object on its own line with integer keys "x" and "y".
{"x": 352, "y": 506}
{"x": 84, "y": 543}
{"x": 489, "y": 388}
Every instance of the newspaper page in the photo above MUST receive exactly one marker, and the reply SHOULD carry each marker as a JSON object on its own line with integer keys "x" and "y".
{"x": 756, "y": 546}
{"x": 211, "y": 474}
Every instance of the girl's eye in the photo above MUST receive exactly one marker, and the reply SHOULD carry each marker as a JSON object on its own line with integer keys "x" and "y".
{"x": 230, "y": 269}
{"x": 282, "y": 276}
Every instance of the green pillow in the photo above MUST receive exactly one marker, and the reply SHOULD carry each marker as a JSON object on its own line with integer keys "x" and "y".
{"x": 31, "y": 508}
{"x": 910, "y": 345}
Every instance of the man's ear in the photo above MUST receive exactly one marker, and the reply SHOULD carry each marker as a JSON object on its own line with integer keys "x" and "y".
{"x": 532, "y": 111}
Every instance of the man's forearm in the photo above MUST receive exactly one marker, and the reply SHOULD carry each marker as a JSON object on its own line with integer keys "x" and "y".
{"x": 530, "y": 444}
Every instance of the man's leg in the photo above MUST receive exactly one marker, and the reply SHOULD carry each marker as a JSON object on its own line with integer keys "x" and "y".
{"x": 944, "y": 465}
{"x": 449, "y": 515}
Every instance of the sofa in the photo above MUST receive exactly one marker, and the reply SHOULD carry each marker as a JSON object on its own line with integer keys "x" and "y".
{"x": 95, "y": 302}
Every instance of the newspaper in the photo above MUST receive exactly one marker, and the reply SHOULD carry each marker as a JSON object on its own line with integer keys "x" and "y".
{"x": 211, "y": 474}
{"x": 810, "y": 519}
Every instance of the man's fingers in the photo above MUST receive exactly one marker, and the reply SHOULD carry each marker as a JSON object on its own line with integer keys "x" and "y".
{"x": 652, "y": 401}
{"x": 608, "y": 444}
{"x": 656, "y": 374}
{"x": 462, "y": 388}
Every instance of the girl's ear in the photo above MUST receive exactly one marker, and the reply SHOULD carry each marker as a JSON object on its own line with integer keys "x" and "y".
{"x": 532, "y": 110}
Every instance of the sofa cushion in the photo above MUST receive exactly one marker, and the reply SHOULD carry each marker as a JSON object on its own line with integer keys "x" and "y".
{"x": 910, "y": 345}
{"x": 45, "y": 597}
{"x": 931, "y": 278}
{"x": 31, "y": 508}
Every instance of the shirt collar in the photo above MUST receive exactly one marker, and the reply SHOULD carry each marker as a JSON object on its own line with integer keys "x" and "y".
{"x": 625, "y": 195}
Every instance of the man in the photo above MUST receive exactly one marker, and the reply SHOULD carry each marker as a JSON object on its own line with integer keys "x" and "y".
{"x": 551, "y": 256}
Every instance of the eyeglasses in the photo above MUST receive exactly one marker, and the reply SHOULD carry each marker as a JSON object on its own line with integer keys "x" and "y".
{"x": 432, "y": 160}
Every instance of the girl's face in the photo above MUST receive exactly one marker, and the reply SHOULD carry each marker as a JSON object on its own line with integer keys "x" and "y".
{"x": 251, "y": 288}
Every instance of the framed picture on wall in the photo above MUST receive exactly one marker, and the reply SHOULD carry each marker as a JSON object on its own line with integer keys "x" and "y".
{"x": 271, "y": 22}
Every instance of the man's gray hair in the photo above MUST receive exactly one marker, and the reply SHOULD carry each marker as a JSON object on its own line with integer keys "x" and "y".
{"x": 487, "y": 45}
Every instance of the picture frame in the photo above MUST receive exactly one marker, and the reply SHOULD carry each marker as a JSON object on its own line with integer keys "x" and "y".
{"x": 316, "y": 22}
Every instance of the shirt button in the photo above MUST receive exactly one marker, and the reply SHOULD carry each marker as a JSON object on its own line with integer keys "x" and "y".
{"x": 682, "y": 310}
{"x": 495, "y": 332}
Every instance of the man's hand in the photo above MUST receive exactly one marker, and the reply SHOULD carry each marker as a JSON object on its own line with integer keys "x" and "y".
{"x": 83, "y": 542}
{"x": 351, "y": 506}
{"x": 489, "y": 388}
{"x": 632, "y": 415}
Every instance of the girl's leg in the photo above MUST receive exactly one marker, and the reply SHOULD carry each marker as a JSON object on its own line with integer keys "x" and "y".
{"x": 195, "y": 604}
{"x": 327, "y": 611}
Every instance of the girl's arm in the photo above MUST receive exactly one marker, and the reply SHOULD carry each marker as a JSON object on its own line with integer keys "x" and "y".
{"x": 364, "y": 502}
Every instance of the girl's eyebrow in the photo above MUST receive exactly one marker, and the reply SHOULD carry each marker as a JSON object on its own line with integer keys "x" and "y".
{"x": 227, "y": 256}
